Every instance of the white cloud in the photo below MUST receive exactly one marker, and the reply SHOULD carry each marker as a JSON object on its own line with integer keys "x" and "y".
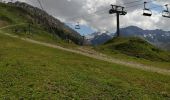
{"x": 80, "y": 11}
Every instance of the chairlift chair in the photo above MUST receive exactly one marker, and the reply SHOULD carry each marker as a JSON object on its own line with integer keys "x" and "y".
{"x": 123, "y": 12}
{"x": 77, "y": 26}
{"x": 166, "y": 13}
{"x": 146, "y": 11}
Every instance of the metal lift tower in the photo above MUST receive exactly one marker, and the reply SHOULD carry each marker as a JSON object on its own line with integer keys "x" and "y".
{"x": 118, "y": 10}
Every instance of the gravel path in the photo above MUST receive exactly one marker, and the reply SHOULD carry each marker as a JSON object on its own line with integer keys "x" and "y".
{"x": 98, "y": 56}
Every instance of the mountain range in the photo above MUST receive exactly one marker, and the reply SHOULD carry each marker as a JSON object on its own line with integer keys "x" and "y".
{"x": 158, "y": 37}
{"x": 98, "y": 38}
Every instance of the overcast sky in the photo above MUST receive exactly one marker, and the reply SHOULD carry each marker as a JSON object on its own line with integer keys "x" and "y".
{"x": 82, "y": 11}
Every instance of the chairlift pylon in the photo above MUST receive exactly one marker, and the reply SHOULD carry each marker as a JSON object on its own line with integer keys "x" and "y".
{"x": 166, "y": 13}
{"x": 146, "y": 11}
{"x": 77, "y": 26}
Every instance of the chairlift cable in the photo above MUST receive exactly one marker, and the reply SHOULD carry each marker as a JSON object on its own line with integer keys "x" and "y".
{"x": 90, "y": 14}
{"x": 40, "y": 4}
{"x": 127, "y": 3}
{"x": 77, "y": 26}
{"x": 99, "y": 11}
{"x": 132, "y": 2}
{"x": 137, "y": 4}
{"x": 42, "y": 8}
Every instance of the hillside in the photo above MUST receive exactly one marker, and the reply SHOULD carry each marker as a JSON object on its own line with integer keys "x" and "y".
{"x": 136, "y": 47}
{"x": 38, "y": 20}
{"x": 158, "y": 37}
{"x": 32, "y": 71}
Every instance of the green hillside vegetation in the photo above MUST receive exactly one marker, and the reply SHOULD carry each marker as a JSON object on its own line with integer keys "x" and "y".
{"x": 12, "y": 15}
{"x": 36, "y": 33}
{"x": 30, "y": 71}
{"x": 137, "y": 50}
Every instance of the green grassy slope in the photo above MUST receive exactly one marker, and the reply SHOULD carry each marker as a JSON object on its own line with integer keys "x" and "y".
{"x": 37, "y": 33}
{"x": 10, "y": 15}
{"x": 136, "y": 50}
{"x": 30, "y": 71}
{"x": 13, "y": 15}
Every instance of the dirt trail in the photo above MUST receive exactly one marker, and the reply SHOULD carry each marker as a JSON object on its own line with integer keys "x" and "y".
{"x": 98, "y": 56}
{"x": 12, "y": 25}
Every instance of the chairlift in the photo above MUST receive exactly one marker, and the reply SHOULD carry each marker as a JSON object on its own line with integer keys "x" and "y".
{"x": 146, "y": 11}
{"x": 123, "y": 12}
{"x": 77, "y": 26}
{"x": 166, "y": 13}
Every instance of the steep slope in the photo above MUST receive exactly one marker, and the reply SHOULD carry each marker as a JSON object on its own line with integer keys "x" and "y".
{"x": 136, "y": 47}
{"x": 15, "y": 13}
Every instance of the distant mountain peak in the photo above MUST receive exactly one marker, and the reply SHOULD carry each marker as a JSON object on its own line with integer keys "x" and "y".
{"x": 157, "y": 37}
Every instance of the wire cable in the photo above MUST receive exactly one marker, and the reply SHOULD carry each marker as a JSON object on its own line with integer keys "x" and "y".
{"x": 42, "y": 8}
{"x": 138, "y": 4}
{"x": 99, "y": 11}
{"x": 127, "y": 3}
{"x": 40, "y": 4}
{"x": 86, "y": 15}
